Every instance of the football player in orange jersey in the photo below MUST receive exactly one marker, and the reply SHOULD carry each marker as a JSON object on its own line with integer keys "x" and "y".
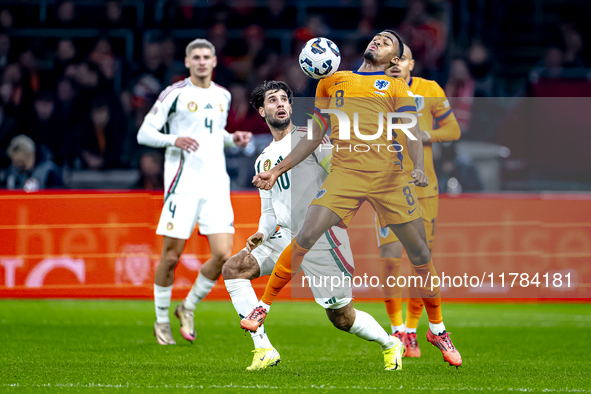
{"x": 375, "y": 176}
{"x": 438, "y": 124}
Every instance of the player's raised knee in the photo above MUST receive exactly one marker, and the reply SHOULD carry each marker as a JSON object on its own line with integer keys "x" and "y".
{"x": 232, "y": 266}
{"x": 340, "y": 319}
{"x": 423, "y": 256}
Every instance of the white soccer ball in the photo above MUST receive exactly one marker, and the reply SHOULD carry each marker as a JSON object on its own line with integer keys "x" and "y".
{"x": 320, "y": 58}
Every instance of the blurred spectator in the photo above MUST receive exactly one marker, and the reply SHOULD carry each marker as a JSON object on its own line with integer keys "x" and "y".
{"x": 48, "y": 129}
{"x": 8, "y": 130}
{"x": 573, "y": 46}
{"x": 175, "y": 69}
{"x": 300, "y": 37}
{"x": 480, "y": 64}
{"x": 261, "y": 59}
{"x": 6, "y": 19}
{"x": 101, "y": 138}
{"x": 298, "y": 81}
{"x": 103, "y": 56}
{"x": 151, "y": 171}
{"x": 460, "y": 89}
{"x": 315, "y": 23}
{"x": 551, "y": 66}
{"x": 153, "y": 61}
{"x": 457, "y": 173}
{"x": 350, "y": 57}
{"x": 369, "y": 15}
{"x": 65, "y": 14}
{"x": 241, "y": 13}
{"x": 242, "y": 115}
{"x": 4, "y": 49}
{"x": 218, "y": 36}
{"x": 30, "y": 66}
{"x": 91, "y": 85}
{"x": 65, "y": 96}
{"x": 65, "y": 55}
{"x": 426, "y": 36}
{"x": 114, "y": 15}
{"x": 24, "y": 173}
{"x": 278, "y": 16}
{"x": 143, "y": 95}
{"x": 15, "y": 91}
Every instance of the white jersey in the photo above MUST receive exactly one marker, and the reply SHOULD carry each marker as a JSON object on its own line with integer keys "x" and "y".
{"x": 185, "y": 110}
{"x": 293, "y": 191}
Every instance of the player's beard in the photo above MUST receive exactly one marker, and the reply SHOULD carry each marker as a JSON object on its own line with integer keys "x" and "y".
{"x": 279, "y": 124}
{"x": 369, "y": 55}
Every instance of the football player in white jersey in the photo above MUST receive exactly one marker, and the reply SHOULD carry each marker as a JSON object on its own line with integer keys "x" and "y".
{"x": 283, "y": 210}
{"x": 189, "y": 120}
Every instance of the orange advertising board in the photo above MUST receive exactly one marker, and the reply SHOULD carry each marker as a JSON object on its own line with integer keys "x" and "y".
{"x": 103, "y": 245}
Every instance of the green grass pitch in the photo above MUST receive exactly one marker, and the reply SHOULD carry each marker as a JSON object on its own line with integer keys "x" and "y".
{"x": 107, "y": 346}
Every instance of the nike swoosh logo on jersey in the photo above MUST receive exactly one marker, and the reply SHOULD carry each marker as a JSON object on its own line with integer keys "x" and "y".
{"x": 336, "y": 83}
{"x": 409, "y": 212}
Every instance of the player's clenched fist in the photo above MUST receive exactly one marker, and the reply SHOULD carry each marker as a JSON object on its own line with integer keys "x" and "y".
{"x": 253, "y": 241}
{"x": 264, "y": 180}
{"x": 241, "y": 138}
{"x": 186, "y": 143}
{"x": 419, "y": 178}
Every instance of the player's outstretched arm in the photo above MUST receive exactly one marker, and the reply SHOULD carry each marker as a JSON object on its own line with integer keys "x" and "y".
{"x": 304, "y": 148}
{"x": 237, "y": 138}
{"x": 448, "y": 127}
{"x": 267, "y": 224}
{"x": 448, "y": 131}
{"x": 415, "y": 151}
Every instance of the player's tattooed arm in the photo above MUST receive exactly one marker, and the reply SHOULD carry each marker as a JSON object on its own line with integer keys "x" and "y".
{"x": 304, "y": 148}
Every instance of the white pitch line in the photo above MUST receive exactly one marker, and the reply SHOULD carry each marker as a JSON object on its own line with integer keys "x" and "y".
{"x": 318, "y": 387}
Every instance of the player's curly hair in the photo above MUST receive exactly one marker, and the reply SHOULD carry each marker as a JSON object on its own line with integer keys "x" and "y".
{"x": 257, "y": 98}
{"x": 400, "y": 43}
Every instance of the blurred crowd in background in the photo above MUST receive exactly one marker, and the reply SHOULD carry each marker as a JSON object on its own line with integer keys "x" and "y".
{"x": 77, "y": 77}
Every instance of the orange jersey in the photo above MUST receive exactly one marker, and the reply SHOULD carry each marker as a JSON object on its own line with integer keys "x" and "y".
{"x": 434, "y": 113}
{"x": 367, "y": 94}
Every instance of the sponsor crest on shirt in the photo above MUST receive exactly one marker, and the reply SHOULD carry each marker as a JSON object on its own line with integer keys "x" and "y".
{"x": 154, "y": 110}
{"x": 192, "y": 106}
{"x": 320, "y": 194}
{"x": 169, "y": 226}
{"x": 381, "y": 84}
{"x": 384, "y": 232}
{"x": 221, "y": 108}
{"x": 267, "y": 165}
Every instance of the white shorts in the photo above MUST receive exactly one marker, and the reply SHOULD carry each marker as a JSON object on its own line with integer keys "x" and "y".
{"x": 317, "y": 265}
{"x": 181, "y": 212}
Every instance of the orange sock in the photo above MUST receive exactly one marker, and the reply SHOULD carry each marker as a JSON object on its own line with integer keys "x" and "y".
{"x": 431, "y": 297}
{"x": 392, "y": 295}
{"x": 414, "y": 310}
{"x": 291, "y": 256}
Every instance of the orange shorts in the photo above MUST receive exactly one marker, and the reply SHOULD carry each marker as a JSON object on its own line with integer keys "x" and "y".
{"x": 389, "y": 193}
{"x": 430, "y": 208}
